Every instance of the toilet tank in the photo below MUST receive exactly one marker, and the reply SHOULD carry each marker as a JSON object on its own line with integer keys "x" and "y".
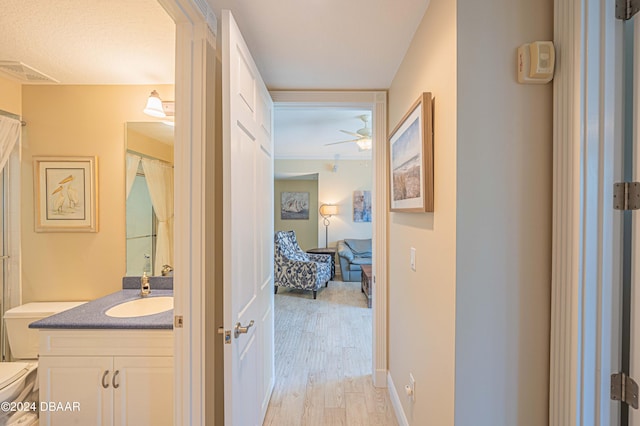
{"x": 23, "y": 340}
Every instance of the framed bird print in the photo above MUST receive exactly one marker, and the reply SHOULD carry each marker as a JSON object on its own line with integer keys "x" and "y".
{"x": 65, "y": 194}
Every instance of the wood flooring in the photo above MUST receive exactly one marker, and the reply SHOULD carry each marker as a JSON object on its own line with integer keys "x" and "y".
{"x": 323, "y": 360}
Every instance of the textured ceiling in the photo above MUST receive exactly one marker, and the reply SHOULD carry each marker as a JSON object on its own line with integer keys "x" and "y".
{"x": 90, "y": 41}
{"x": 309, "y": 44}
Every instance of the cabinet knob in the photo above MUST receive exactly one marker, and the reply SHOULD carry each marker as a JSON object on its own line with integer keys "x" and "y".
{"x": 113, "y": 381}
{"x": 104, "y": 376}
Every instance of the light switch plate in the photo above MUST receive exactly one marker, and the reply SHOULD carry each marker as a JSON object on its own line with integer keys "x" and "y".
{"x": 412, "y": 259}
{"x": 412, "y": 385}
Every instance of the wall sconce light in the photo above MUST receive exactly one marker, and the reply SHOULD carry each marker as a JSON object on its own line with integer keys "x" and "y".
{"x": 326, "y": 211}
{"x": 156, "y": 107}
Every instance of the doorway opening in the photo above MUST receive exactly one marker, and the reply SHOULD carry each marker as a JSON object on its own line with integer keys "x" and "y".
{"x": 352, "y": 222}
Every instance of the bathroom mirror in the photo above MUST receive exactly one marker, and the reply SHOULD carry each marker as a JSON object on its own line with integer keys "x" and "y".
{"x": 149, "y": 203}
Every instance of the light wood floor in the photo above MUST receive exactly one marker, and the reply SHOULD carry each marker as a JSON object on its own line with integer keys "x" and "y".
{"x": 323, "y": 360}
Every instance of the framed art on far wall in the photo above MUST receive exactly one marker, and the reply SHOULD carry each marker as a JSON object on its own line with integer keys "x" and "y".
{"x": 411, "y": 159}
{"x": 294, "y": 205}
{"x": 65, "y": 194}
{"x": 362, "y": 206}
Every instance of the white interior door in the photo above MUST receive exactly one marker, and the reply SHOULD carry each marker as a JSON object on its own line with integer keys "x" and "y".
{"x": 248, "y": 231}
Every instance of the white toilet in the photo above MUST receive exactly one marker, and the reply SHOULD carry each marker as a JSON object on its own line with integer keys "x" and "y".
{"x": 18, "y": 380}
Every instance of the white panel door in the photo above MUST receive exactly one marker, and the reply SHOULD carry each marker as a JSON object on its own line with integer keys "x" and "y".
{"x": 248, "y": 231}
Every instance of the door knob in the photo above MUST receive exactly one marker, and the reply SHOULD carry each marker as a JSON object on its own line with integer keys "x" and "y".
{"x": 239, "y": 329}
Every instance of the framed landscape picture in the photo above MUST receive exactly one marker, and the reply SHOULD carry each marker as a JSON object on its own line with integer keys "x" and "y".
{"x": 411, "y": 159}
{"x": 65, "y": 194}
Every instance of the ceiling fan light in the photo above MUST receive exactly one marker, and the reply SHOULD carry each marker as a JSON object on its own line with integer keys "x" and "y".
{"x": 364, "y": 144}
{"x": 154, "y": 106}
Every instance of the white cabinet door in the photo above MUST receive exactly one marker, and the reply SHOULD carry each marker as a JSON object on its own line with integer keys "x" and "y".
{"x": 82, "y": 380}
{"x": 143, "y": 391}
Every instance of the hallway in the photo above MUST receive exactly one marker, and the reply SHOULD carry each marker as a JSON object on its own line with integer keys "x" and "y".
{"x": 323, "y": 360}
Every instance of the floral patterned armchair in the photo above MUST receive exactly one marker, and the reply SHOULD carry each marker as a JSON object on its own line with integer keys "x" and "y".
{"x": 294, "y": 268}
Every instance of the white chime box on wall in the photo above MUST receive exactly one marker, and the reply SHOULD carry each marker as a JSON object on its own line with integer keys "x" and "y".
{"x": 536, "y": 62}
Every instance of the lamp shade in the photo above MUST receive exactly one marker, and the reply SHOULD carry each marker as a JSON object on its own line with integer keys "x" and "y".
{"x": 154, "y": 106}
{"x": 327, "y": 210}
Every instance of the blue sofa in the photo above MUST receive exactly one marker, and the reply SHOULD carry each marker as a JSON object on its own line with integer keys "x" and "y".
{"x": 352, "y": 253}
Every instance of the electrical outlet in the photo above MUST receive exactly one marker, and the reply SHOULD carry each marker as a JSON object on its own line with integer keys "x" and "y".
{"x": 412, "y": 259}
{"x": 412, "y": 386}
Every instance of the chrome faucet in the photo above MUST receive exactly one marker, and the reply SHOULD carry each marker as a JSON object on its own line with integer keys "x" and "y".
{"x": 166, "y": 270}
{"x": 145, "y": 287}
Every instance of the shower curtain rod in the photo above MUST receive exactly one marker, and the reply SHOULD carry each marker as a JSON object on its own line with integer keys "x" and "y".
{"x": 14, "y": 116}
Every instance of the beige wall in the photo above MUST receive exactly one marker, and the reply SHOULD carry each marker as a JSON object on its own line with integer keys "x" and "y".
{"x": 10, "y": 96}
{"x": 481, "y": 289}
{"x": 335, "y": 188}
{"x": 143, "y": 144}
{"x": 71, "y": 121}
{"x": 504, "y": 196}
{"x": 306, "y": 230}
{"x": 425, "y": 298}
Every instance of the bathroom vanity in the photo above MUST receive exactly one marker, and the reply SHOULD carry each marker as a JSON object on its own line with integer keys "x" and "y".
{"x": 115, "y": 371}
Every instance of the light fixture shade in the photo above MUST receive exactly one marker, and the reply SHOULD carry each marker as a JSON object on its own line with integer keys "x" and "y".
{"x": 364, "y": 144}
{"x": 327, "y": 210}
{"x": 154, "y": 106}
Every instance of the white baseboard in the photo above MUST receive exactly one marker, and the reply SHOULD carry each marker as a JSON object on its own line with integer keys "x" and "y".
{"x": 395, "y": 401}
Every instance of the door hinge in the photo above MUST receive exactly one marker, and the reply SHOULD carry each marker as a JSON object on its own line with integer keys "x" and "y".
{"x": 227, "y": 335}
{"x": 626, "y": 195}
{"x": 177, "y": 321}
{"x": 625, "y": 9}
{"x": 624, "y": 389}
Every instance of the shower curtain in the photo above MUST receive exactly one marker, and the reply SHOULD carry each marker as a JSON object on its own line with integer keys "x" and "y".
{"x": 10, "y": 130}
{"x": 132, "y": 168}
{"x": 9, "y": 136}
{"x": 159, "y": 177}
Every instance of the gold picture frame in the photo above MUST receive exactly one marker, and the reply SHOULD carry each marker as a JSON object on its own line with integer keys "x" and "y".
{"x": 66, "y": 194}
{"x": 411, "y": 159}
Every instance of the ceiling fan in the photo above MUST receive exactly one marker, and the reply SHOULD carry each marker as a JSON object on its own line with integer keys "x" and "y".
{"x": 363, "y": 136}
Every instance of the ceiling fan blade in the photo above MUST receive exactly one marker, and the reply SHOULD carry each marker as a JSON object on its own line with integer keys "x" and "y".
{"x": 355, "y": 135}
{"x": 336, "y": 143}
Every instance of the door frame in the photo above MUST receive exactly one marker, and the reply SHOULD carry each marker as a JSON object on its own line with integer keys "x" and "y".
{"x": 196, "y": 26}
{"x": 585, "y": 282}
{"x": 634, "y": 314}
{"x": 376, "y": 101}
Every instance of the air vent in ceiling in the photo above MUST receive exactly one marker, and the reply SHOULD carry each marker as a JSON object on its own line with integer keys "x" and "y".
{"x": 24, "y": 72}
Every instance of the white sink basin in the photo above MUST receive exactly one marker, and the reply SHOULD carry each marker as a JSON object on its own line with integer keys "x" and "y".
{"x": 141, "y": 307}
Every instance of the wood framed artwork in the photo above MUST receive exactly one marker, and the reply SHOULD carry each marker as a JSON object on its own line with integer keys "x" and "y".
{"x": 411, "y": 159}
{"x": 65, "y": 194}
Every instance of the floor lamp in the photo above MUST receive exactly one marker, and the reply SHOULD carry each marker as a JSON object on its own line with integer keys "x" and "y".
{"x": 326, "y": 211}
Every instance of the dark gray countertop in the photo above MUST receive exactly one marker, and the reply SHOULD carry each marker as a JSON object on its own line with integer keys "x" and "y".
{"x": 91, "y": 315}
